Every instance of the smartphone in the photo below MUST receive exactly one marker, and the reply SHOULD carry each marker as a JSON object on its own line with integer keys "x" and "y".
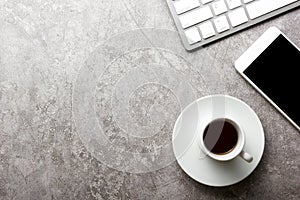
{"x": 271, "y": 65}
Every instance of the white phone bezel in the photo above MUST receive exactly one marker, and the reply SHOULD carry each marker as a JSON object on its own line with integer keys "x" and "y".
{"x": 252, "y": 53}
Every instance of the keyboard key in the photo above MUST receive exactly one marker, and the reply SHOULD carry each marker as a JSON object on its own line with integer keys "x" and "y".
{"x": 261, "y": 7}
{"x": 219, "y": 7}
{"x": 221, "y": 24}
{"x": 195, "y": 16}
{"x": 182, "y": 6}
{"x": 207, "y": 29}
{"x": 206, "y": 1}
{"x": 237, "y": 17}
{"x": 193, "y": 35}
{"x": 234, "y": 3}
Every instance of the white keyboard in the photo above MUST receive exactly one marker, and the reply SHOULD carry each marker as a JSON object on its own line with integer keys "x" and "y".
{"x": 201, "y": 22}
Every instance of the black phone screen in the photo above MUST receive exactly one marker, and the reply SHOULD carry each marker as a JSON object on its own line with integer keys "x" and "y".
{"x": 276, "y": 73}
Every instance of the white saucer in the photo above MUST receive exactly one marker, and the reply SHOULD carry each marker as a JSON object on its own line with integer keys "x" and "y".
{"x": 201, "y": 167}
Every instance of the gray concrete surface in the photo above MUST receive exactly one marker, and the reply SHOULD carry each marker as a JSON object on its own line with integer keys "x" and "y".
{"x": 52, "y": 51}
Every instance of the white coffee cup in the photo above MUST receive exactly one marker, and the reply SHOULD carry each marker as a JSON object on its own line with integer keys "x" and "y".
{"x": 236, "y": 151}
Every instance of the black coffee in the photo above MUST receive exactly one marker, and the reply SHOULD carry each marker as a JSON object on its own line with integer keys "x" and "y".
{"x": 220, "y": 137}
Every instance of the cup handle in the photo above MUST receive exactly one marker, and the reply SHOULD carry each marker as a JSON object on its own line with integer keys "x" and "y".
{"x": 247, "y": 157}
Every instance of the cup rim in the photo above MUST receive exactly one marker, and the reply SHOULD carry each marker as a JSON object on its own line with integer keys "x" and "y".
{"x": 236, "y": 150}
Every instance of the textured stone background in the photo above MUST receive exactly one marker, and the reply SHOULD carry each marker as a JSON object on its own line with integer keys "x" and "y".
{"x": 43, "y": 46}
